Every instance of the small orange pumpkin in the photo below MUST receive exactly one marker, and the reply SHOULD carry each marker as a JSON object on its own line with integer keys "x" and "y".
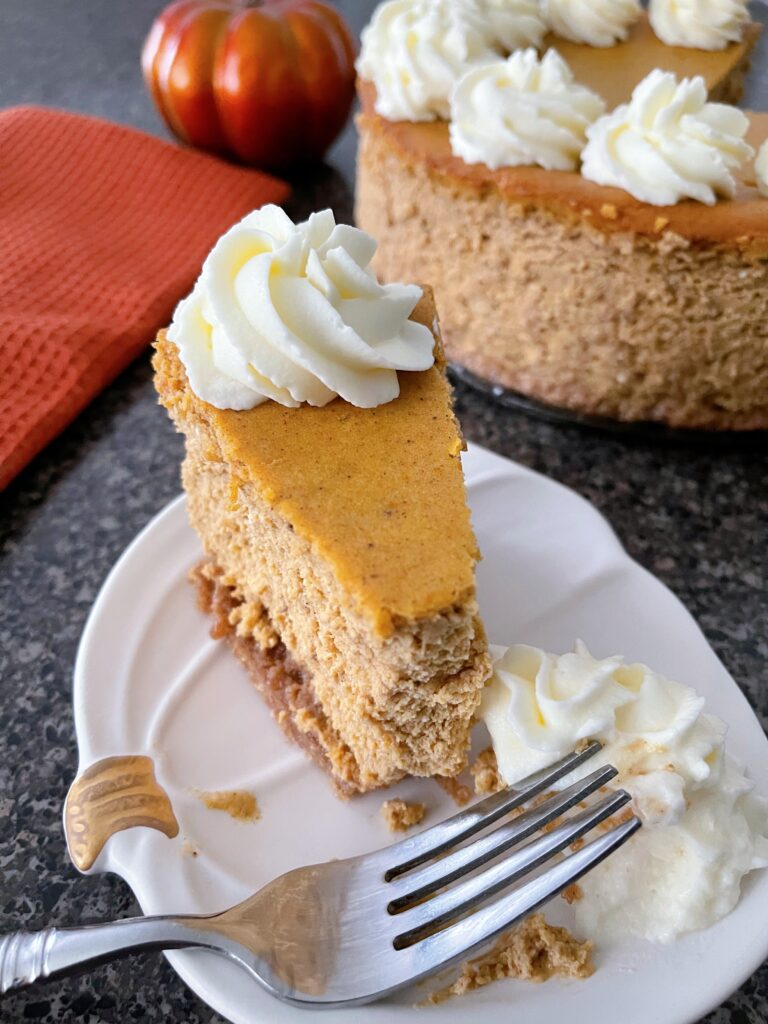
{"x": 270, "y": 82}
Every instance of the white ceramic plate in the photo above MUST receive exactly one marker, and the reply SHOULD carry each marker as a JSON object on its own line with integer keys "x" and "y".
{"x": 149, "y": 680}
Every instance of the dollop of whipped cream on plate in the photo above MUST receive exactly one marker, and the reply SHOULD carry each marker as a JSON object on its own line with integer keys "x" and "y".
{"x": 294, "y": 313}
{"x": 761, "y": 169}
{"x": 522, "y": 111}
{"x": 594, "y": 22}
{"x": 700, "y": 24}
{"x": 414, "y": 51}
{"x": 668, "y": 143}
{"x": 703, "y": 830}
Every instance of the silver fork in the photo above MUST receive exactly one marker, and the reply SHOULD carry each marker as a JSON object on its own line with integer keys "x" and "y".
{"x": 351, "y": 931}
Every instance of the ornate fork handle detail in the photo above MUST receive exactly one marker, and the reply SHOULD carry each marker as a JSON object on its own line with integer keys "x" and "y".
{"x": 23, "y": 957}
{"x": 27, "y": 957}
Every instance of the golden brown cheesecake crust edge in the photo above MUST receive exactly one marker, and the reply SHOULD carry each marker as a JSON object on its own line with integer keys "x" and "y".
{"x": 284, "y": 685}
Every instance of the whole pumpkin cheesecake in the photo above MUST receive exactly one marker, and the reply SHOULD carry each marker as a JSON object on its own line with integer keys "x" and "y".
{"x": 323, "y": 476}
{"x": 570, "y": 283}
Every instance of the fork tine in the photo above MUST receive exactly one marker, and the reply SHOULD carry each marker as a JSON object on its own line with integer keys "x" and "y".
{"x": 463, "y": 937}
{"x": 431, "y": 877}
{"x": 411, "y": 852}
{"x": 427, "y": 917}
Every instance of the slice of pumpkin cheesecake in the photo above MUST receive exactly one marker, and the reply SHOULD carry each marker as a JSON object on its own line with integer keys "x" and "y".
{"x": 340, "y": 558}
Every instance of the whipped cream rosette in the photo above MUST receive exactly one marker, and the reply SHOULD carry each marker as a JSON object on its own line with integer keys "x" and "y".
{"x": 668, "y": 143}
{"x": 523, "y": 110}
{"x": 414, "y": 51}
{"x": 294, "y": 313}
{"x": 761, "y": 169}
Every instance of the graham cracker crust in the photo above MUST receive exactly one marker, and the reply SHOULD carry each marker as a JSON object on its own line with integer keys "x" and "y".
{"x": 285, "y": 686}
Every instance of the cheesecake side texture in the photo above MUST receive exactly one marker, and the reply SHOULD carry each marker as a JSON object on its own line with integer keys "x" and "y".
{"x": 574, "y": 294}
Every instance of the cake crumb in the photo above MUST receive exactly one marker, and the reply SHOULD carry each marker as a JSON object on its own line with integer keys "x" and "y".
{"x": 609, "y": 211}
{"x": 485, "y": 772}
{"x": 458, "y": 791}
{"x": 238, "y": 804}
{"x": 400, "y": 815}
{"x": 572, "y": 893}
{"x": 189, "y": 849}
{"x": 534, "y": 951}
{"x": 660, "y": 223}
{"x": 617, "y": 819}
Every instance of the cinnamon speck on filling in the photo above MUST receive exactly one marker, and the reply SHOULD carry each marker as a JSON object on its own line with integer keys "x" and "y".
{"x": 485, "y": 772}
{"x": 238, "y": 804}
{"x": 534, "y": 951}
{"x": 400, "y": 815}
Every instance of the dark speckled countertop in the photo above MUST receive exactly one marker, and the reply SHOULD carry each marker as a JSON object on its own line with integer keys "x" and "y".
{"x": 696, "y": 515}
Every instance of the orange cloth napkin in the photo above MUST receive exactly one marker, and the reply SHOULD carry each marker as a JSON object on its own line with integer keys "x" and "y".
{"x": 102, "y": 230}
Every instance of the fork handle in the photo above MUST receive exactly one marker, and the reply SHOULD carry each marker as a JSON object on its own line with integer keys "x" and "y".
{"x": 27, "y": 957}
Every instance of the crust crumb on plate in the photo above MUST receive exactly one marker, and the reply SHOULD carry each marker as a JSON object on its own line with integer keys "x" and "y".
{"x": 534, "y": 951}
{"x": 401, "y": 815}
{"x": 238, "y": 804}
{"x": 485, "y": 772}
{"x": 460, "y": 793}
{"x": 572, "y": 893}
{"x": 617, "y": 819}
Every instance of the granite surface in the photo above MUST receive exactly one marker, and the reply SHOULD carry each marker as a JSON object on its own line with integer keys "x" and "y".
{"x": 695, "y": 515}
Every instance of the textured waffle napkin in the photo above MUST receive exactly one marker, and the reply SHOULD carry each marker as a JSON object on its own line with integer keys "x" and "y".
{"x": 102, "y": 230}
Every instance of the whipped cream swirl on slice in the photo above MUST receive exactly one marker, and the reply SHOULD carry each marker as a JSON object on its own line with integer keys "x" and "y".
{"x": 761, "y": 169}
{"x": 700, "y": 24}
{"x": 414, "y": 51}
{"x": 594, "y": 22}
{"x": 522, "y": 111}
{"x": 668, "y": 143}
{"x": 294, "y": 313}
{"x": 703, "y": 830}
